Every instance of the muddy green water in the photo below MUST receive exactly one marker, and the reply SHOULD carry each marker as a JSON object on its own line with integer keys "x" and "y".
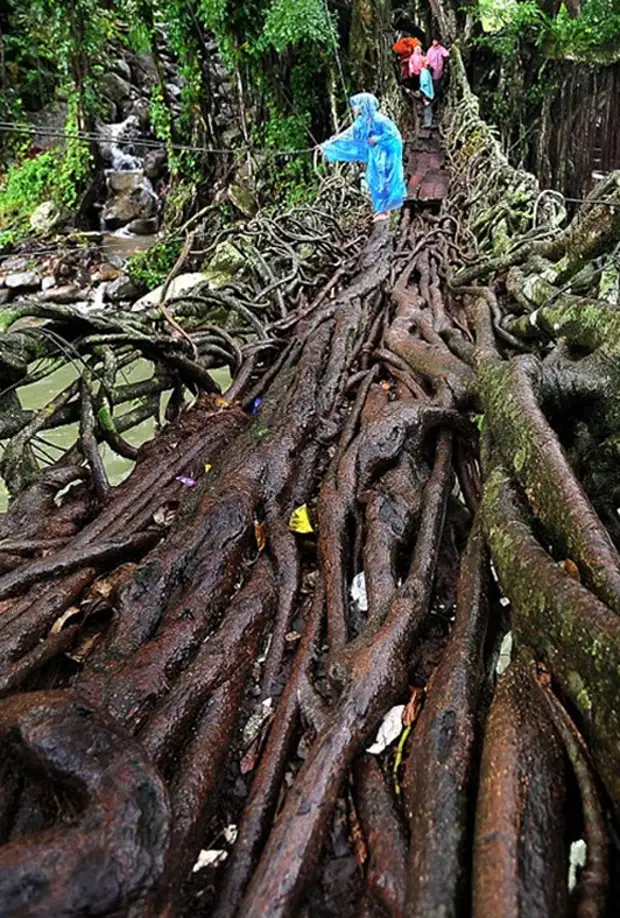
{"x": 37, "y": 395}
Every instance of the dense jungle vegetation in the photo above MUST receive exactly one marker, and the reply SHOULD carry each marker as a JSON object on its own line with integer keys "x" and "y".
{"x": 291, "y": 63}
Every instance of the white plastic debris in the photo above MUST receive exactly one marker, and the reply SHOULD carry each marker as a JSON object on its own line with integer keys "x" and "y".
{"x": 263, "y": 656}
{"x": 209, "y": 859}
{"x": 578, "y": 853}
{"x": 358, "y": 591}
{"x": 504, "y": 601}
{"x": 505, "y": 654}
{"x": 230, "y": 833}
{"x": 390, "y": 729}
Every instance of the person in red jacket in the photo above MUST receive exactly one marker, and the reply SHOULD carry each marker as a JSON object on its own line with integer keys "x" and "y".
{"x": 436, "y": 56}
{"x": 405, "y": 47}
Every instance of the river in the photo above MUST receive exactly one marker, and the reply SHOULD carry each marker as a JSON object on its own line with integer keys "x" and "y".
{"x": 39, "y": 394}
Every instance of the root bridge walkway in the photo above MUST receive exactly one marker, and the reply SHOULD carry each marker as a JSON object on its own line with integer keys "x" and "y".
{"x": 194, "y": 666}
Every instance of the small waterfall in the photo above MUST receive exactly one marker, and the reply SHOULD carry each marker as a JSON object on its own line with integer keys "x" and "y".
{"x": 132, "y": 205}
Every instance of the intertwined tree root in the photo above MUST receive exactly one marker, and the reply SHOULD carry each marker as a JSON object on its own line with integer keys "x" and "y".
{"x": 179, "y": 660}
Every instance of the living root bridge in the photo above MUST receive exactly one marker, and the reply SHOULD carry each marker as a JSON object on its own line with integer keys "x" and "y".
{"x": 202, "y": 711}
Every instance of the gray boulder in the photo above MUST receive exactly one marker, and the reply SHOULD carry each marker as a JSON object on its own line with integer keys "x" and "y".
{"x": 23, "y": 280}
{"x": 174, "y": 91}
{"x": 68, "y": 293}
{"x": 140, "y": 202}
{"x": 114, "y": 87}
{"x": 144, "y": 70}
{"x": 243, "y": 197}
{"x": 47, "y": 217}
{"x": 142, "y": 226}
{"x": 123, "y": 288}
{"x": 122, "y": 182}
{"x": 123, "y": 69}
{"x": 154, "y": 164}
{"x": 5, "y": 295}
{"x": 138, "y": 108}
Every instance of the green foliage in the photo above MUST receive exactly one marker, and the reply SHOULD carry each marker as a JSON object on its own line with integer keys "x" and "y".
{"x": 149, "y": 269}
{"x": 280, "y": 52}
{"x": 598, "y": 27}
{"x": 286, "y": 179}
{"x": 289, "y": 23}
{"x": 508, "y": 24}
{"x": 52, "y": 43}
{"x": 57, "y": 175}
{"x": 160, "y": 116}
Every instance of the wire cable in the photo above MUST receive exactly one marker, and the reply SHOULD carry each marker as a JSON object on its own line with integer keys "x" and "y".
{"x": 14, "y": 127}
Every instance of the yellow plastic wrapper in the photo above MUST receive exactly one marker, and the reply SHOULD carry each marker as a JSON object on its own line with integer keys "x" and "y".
{"x": 208, "y": 466}
{"x": 300, "y": 520}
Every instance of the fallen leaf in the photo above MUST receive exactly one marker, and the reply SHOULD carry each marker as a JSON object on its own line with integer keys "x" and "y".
{"x": 390, "y": 729}
{"x": 84, "y": 647}
{"x": 300, "y": 520}
{"x": 222, "y": 403}
{"x": 571, "y": 569}
{"x": 386, "y": 386}
{"x": 259, "y": 534}
{"x": 250, "y": 757}
{"x": 414, "y": 706}
{"x": 256, "y": 721}
{"x": 59, "y": 623}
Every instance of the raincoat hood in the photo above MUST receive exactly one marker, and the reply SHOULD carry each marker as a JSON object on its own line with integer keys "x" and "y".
{"x": 367, "y": 104}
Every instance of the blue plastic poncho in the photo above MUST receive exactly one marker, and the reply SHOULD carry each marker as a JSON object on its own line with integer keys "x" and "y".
{"x": 384, "y": 159}
{"x": 426, "y": 83}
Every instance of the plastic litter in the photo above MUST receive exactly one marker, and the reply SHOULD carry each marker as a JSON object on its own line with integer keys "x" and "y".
{"x": 390, "y": 729}
{"x": 358, "y": 592}
{"x": 188, "y": 482}
{"x": 230, "y": 833}
{"x": 300, "y": 520}
{"x": 577, "y": 858}
{"x": 505, "y": 654}
{"x": 256, "y": 405}
{"x": 384, "y": 158}
{"x": 208, "y": 466}
{"x": 209, "y": 859}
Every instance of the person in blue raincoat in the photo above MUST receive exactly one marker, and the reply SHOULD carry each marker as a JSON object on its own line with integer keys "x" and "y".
{"x": 427, "y": 91}
{"x": 375, "y": 140}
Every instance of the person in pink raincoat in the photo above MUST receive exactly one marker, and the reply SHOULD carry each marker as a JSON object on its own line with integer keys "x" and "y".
{"x": 437, "y": 56}
{"x": 416, "y": 63}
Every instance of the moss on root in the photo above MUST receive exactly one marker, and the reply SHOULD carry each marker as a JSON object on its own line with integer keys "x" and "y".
{"x": 574, "y": 633}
